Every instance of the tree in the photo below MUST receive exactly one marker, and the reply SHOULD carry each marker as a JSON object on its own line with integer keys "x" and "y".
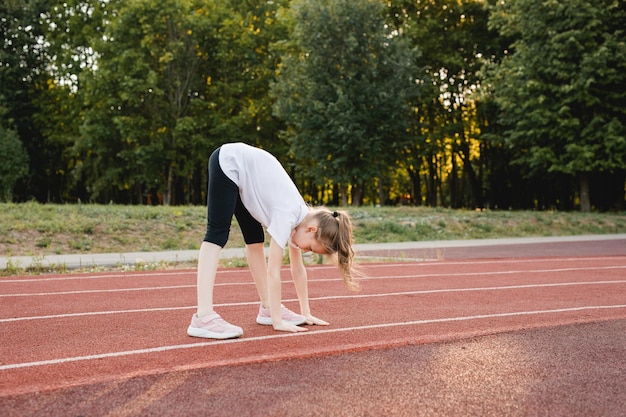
{"x": 14, "y": 163}
{"x": 247, "y": 64}
{"x": 342, "y": 89}
{"x": 24, "y": 63}
{"x": 173, "y": 81}
{"x": 561, "y": 87}
{"x": 453, "y": 39}
{"x": 146, "y": 100}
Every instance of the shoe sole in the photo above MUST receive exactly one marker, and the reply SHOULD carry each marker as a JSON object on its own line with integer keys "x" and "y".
{"x": 196, "y": 332}
{"x": 267, "y": 321}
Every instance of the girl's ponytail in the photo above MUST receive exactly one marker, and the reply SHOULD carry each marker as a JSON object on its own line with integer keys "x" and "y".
{"x": 335, "y": 233}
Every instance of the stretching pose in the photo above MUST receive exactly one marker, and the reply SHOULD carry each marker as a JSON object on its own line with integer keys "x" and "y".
{"x": 252, "y": 185}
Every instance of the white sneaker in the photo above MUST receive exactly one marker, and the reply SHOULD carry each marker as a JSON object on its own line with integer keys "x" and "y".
{"x": 287, "y": 315}
{"x": 213, "y": 327}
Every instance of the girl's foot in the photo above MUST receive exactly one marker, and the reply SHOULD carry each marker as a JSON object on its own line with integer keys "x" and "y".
{"x": 287, "y": 315}
{"x": 213, "y": 327}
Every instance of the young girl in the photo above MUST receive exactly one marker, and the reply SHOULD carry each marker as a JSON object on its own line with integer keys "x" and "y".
{"x": 251, "y": 184}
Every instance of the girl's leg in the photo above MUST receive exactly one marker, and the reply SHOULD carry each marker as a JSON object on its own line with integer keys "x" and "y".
{"x": 207, "y": 268}
{"x": 254, "y": 237}
{"x": 258, "y": 268}
{"x": 222, "y": 199}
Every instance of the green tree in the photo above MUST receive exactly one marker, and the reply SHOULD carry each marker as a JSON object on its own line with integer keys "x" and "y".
{"x": 173, "y": 81}
{"x": 70, "y": 28}
{"x": 41, "y": 61}
{"x": 342, "y": 89}
{"x": 241, "y": 105}
{"x": 560, "y": 89}
{"x": 23, "y": 82}
{"x": 14, "y": 163}
{"x": 146, "y": 99}
{"x": 453, "y": 39}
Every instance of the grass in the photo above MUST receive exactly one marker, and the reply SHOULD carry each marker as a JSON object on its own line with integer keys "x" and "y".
{"x": 32, "y": 229}
{"x": 37, "y": 230}
{"x": 401, "y": 224}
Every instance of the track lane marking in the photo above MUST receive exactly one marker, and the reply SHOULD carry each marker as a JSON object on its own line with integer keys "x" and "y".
{"x": 313, "y": 268}
{"x": 299, "y": 334}
{"x": 457, "y": 274}
{"x": 325, "y": 298}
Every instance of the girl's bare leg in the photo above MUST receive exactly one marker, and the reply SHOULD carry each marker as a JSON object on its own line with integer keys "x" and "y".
{"x": 207, "y": 268}
{"x": 258, "y": 268}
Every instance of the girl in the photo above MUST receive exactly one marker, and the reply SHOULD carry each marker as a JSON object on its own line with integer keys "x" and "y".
{"x": 251, "y": 184}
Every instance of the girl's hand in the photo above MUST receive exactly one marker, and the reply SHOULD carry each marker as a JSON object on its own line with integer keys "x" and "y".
{"x": 314, "y": 320}
{"x": 286, "y": 327}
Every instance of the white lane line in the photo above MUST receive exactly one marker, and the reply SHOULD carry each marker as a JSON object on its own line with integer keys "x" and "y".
{"x": 509, "y": 272}
{"x": 97, "y": 313}
{"x": 496, "y": 261}
{"x": 135, "y": 275}
{"x": 90, "y": 277}
{"x": 37, "y": 294}
{"x": 299, "y": 334}
{"x": 456, "y": 274}
{"x": 325, "y": 298}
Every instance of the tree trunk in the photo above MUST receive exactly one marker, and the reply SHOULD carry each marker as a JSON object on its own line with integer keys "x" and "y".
{"x": 476, "y": 192}
{"x": 167, "y": 197}
{"x": 585, "y": 201}
{"x": 357, "y": 191}
{"x": 453, "y": 180}
{"x": 344, "y": 195}
{"x": 416, "y": 194}
{"x": 381, "y": 193}
{"x": 431, "y": 184}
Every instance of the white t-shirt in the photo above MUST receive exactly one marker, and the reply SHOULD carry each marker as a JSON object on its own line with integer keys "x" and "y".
{"x": 265, "y": 188}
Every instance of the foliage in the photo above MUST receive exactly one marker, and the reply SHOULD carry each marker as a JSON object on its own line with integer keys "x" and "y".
{"x": 342, "y": 90}
{"x": 561, "y": 88}
{"x": 457, "y": 103}
{"x": 24, "y": 63}
{"x": 454, "y": 40}
{"x": 145, "y": 96}
{"x": 14, "y": 163}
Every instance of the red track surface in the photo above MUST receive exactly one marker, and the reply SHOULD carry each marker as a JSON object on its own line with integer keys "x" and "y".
{"x": 466, "y": 337}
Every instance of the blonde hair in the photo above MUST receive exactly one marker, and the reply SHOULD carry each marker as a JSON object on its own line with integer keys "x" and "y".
{"x": 334, "y": 232}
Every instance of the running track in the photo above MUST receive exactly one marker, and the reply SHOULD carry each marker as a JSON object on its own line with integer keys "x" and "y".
{"x": 517, "y": 335}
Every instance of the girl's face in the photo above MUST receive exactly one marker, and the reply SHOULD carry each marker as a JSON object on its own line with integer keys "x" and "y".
{"x": 303, "y": 238}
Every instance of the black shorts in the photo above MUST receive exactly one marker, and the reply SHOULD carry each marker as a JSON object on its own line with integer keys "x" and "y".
{"x": 223, "y": 201}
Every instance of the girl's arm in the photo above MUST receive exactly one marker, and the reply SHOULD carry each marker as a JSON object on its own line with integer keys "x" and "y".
{"x": 274, "y": 264}
{"x": 298, "y": 272}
